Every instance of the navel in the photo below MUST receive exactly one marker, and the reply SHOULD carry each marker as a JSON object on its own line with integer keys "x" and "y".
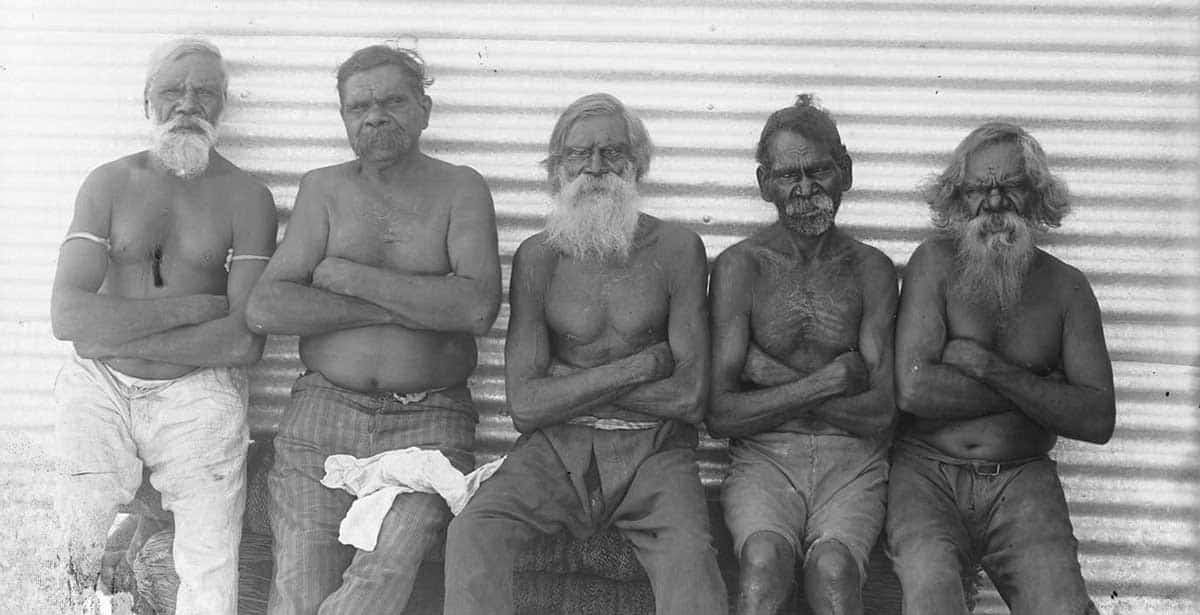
{"x": 157, "y": 267}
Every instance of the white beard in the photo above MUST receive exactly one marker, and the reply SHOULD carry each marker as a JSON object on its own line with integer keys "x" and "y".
{"x": 994, "y": 254}
{"x": 811, "y": 216}
{"x": 184, "y": 152}
{"x": 594, "y": 218}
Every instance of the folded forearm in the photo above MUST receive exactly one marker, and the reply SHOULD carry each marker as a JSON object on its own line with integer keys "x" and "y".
{"x": 737, "y": 414}
{"x": 866, "y": 415}
{"x": 939, "y": 391}
{"x": 217, "y": 343}
{"x": 104, "y": 319}
{"x": 289, "y": 308}
{"x": 435, "y": 303}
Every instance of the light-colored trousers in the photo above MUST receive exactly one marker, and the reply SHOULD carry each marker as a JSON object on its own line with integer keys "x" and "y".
{"x": 191, "y": 433}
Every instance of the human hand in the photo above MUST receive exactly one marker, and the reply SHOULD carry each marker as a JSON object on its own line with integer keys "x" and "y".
{"x": 656, "y": 361}
{"x": 763, "y": 370}
{"x": 332, "y": 274}
{"x": 558, "y": 368}
{"x": 854, "y": 372}
{"x": 968, "y": 355}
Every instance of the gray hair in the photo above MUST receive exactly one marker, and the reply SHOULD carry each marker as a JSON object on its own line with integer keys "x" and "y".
{"x": 593, "y": 105}
{"x": 172, "y": 50}
{"x": 407, "y": 60}
{"x": 943, "y": 192}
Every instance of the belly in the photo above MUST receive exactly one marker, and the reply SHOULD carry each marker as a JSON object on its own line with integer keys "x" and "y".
{"x": 390, "y": 358}
{"x": 996, "y": 437}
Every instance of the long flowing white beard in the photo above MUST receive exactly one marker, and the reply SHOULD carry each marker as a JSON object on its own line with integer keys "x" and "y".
{"x": 184, "y": 152}
{"x": 994, "y": 254}
{"x": 594, "y": 218}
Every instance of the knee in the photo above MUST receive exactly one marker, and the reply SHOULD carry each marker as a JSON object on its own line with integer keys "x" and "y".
{"x": 831, "y": 564}
{"x": 765, "y": 555}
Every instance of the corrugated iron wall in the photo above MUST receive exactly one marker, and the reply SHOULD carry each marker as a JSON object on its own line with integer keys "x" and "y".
{"x": 1110, "y": 88}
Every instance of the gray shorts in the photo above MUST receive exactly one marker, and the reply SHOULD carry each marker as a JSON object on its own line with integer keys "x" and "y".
{"x": 807, "y": 488}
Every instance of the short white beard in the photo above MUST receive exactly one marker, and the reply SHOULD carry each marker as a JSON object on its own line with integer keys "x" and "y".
{"x": 184, "y": 152}
{"x": 811, "y": 216}
{"x": 994, "y": 254}
{"x": 594, "y": 218}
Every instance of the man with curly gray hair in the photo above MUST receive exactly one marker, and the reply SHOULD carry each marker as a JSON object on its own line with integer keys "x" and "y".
{"x": 999, "y": 351}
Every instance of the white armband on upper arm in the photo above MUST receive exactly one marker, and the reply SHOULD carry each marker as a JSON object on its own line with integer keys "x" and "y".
{"x": 90, "y": 237}
{"x": 230, "y": 258}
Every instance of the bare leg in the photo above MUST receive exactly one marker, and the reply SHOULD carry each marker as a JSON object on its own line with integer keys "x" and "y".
{"x": 831, "y": 580}
{"x": 767, "y": 564}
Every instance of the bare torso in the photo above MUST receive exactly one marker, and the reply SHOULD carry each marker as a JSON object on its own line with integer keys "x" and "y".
{"x": 806, "y": 312}
{"x": 597, "y": 313}
{"x": 404, "y": 230}
{"x": 170, "y": 238}
{"x": 1030, "y": 338}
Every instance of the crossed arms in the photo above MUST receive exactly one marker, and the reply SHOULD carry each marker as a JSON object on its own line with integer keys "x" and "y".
{"x": 667, "y": 380}
{"x": 852, "y": 392}
{"x": 956, "y": 379}
{"x": 200, "y": 330}
{"x": 304, "y": 292}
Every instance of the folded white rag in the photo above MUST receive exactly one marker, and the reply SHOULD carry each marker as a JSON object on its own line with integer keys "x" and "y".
{"x": 378, "y": 480}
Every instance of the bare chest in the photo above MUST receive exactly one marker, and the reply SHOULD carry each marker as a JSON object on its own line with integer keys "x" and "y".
{"x": 587, "y": 304}
{"x": 404, "y": 231}
{"x": 171, "y": 227}
{"x": 1031, "y": 336}
{"x": 807, "y": 313}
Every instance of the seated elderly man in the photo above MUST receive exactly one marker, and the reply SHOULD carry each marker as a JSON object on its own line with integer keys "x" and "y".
{"x": 999, "y": 351}
{"x": 606, "y": 367}
{"x": 151, "y": 287}
{"x": 802, "y": 377}
{"x": 388, "y": 270}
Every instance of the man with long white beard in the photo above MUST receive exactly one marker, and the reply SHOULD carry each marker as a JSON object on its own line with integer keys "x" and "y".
{"x": 151, "y": 287}
{"x": 802, "y": 317}
{"x": 606, "y": 366}
{"x": 388, "y": 271}
{"x": 999, "y": 350}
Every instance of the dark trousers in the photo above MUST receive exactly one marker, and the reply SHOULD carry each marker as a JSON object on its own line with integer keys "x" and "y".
{"x": 579, "y": 479}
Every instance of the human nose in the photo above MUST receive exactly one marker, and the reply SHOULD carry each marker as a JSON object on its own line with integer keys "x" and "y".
{"x": 189, "y": 103}
{"x": 994, "y": 199}
{"x": 596, "y": 165}
{"x": 803, "y": 187}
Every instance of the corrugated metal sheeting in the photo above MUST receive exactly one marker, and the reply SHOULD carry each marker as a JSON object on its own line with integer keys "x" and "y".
{"x": 1110, "y": 88}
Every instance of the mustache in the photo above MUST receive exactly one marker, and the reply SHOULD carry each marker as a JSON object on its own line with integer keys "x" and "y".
{"x": 387, "y": 138}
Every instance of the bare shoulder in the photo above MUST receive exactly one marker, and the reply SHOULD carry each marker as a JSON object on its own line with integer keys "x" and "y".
{"x": 670, "y": 240}
{"x": 330, "y": 177}
{"x": 871, "y": 262}
{"x": 740, "y": 260}
{"x": 110, "y": 178}
{"x": 240, "y": 187}
{"x": 534, "y": 251}
{"x": 1066, "y": 279}
{"x": 934, "y": 257}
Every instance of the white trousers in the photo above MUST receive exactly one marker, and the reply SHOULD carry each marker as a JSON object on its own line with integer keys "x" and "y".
{"x": 191, "y": 433}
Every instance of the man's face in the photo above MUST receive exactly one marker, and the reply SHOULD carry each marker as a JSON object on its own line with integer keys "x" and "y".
{"x": 803, "y": 182}
{"x": 596, "y": 208}
{"x": 384, "y": 112}
{"x": 596, "y": 145}
{"x": 188, "y": 89}
{"x": 995, "y": 239}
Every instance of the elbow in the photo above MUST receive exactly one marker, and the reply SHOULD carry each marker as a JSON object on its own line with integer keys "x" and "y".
{"x": 692, "y": 403}
{"x": 907, "y": 397}
{"x": 248, "y": 350}
{"x": 258, "y": 317}
{"x": 1103, "y": 431}
{"x": 716, "y": 427}
{"x": 482, "y": 315}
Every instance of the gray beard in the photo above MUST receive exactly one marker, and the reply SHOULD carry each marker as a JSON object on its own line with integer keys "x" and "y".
{"x": 809, "y": 217}
{"x": 994, "y": 254}
{"x": 184, "y": 152}
{"x": 390, "y": 141}
{"x": 594, "y": 218}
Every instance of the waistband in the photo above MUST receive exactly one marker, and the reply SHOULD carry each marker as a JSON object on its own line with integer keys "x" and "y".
{"x": 613, "y": 424}
{"x": 981, "y": 467}
{"x": 456, "y": 397}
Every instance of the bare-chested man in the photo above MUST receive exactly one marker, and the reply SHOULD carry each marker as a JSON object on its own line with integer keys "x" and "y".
{"x": 606, "y": 366}
{"x": 802, "y": 319}
{"x": 388, "y": 270}
{"x": 152, "y": 281}
{"x": 999, "y": 350}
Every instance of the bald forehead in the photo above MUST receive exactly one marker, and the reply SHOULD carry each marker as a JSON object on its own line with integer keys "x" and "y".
{"x": 197, "y": 66}
{"x": 994, "y": 162}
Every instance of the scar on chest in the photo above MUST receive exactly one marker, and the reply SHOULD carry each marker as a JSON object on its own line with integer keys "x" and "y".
{"x": 156, "y": 266}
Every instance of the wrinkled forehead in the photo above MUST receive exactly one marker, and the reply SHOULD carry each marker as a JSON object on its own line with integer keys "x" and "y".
{"x": 197, "y": 67}
{"x": 994, "y": 161}
{"x": 379, "y": 80}
{"x": 789, "y": 149}
{"x": 607, "y": 129}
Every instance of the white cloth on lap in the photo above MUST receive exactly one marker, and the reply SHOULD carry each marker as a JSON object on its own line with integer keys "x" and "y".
{"x": 377, "y": 480}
